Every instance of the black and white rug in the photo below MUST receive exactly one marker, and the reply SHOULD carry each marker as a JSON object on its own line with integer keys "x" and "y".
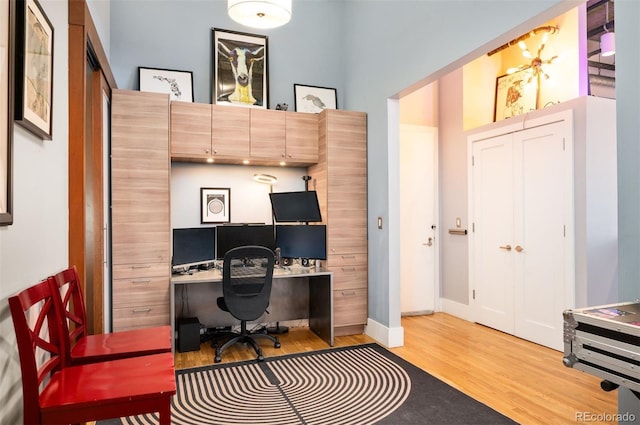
{"x": 364, "y": 384}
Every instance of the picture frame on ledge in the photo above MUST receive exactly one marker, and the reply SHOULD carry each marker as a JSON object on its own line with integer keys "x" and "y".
{"x": 7, "y": 56}
{"x": 34, "y": 69}
{"x": 178, "y": 84}
{"x": 514, "y": 96}
{"x": 215, "y": 205}
{"x": 314, "y": 99}
{"x": 240, "y": 69}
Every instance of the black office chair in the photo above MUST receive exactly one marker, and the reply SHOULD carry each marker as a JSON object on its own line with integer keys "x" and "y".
{"x": 247, "y": 274}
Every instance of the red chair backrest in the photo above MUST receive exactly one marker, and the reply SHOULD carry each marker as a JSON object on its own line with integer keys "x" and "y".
{"x": 37, "y": 330}
{"x": 72, "y": 307}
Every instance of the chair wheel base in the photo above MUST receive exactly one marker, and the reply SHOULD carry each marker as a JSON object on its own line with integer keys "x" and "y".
{"x": 276, "y": 345}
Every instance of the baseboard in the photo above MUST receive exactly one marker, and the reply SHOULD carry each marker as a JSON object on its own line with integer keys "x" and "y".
{"x": 389, "y": 337}
{"x": 457, "y": 309}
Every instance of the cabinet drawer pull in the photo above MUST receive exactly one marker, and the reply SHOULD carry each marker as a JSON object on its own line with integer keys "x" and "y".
{"x": 141, "y": 281}
{"x": 147, "y": 266}
{"x": 348, "y": 293}
{"x": 348, "y": 269}
{"x": 141, "y": 310}
{"x": 348, "y": 256}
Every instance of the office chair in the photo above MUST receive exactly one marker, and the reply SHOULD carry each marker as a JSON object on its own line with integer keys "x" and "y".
{"x": 247, "y": 275}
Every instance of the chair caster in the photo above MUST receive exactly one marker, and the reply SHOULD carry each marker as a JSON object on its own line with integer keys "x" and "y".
{"x": 276, "y": 345}
{"x": 260, "y": 358}
{"x": 217, "y": 359}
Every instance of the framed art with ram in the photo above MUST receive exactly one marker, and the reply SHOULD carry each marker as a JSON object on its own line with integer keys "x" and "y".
{"x": 314, "y": 99}
{"x": 7, "y": 21}
{"x": 514, "y": 96}
{"x": 34, "y": 69}
{"x": 178, "y": 84}
{"x": 240, "y": 69}
{"x": 215, "y": 205}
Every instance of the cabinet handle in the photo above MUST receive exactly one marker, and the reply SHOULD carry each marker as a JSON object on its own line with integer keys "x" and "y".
{"x": 215, "y": 151}
{"x": 289, "y": 155}
{"x": 348, "y": 293}
{"x": 506, "y": 247}
{"x": 148, "y": 266}
{"x": 140, "y": 310}
{"x": 348, "y": 256}
{"x": 141, "y": 281}
{"x": 206, "y": 151}
{"x": 519, "y": 248}
{"x": 348, "y": 269}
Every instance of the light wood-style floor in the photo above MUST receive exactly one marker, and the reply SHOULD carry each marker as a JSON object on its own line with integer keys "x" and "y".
{"x": 520, "y": 379}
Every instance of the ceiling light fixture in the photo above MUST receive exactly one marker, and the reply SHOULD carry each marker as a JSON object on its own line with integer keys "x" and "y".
{"x": 260, "y": 13}
{"x": 608, "y": 39}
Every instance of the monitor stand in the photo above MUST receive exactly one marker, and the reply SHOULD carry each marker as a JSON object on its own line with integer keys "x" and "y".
{"x": 277, "y": 329}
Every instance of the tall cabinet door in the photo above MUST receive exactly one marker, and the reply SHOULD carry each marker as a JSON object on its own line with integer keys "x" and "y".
{"x": 543, "y": 205}
{"x": 493, "y": 203}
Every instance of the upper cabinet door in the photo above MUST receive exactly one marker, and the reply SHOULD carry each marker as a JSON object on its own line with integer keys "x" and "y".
{"x": 268, "y": 134}
{"x": 190, "y": 130}
{"x": 301, "y": 137}
{"x": 230, "y": 131}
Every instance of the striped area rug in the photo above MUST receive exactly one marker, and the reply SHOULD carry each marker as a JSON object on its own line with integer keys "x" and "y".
{"x": 343, "y": 386}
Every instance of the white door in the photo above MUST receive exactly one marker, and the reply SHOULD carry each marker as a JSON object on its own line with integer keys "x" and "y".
{"x": 543, "y": 203}
{"x": 418, "y": 252}
{"x": 492, "y": 257}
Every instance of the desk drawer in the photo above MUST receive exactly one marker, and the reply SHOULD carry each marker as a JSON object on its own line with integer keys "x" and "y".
{"x": 350, "y": 277}
{"x": 142, "y": 316}
{"x": 338, "y": 260}
{"x": 349, "y": 307}
{"x": 132, "y": 271}
{"x": 140, "y": 291}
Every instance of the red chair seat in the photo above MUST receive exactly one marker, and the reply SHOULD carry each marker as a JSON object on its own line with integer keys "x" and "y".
{"x": 107, "y": 388}
{"x": 119, "y": 345}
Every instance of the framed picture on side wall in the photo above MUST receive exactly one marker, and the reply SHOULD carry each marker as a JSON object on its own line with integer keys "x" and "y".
{"x": 514, "y": 96}
{"x": 34, "y": 69}
{"x": 314, "y": 99}
{"x": 215, "y": 205}
{"x": 178, "y": 84}
{"x": 7, "y": 21}
{"x": 240, "y": 69}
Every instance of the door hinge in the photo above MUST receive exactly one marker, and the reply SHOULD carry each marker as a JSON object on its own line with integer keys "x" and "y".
{"x": 473, "y": 227}
{"x": 473, "y": 160}
{"x": 563, "y": 144}
{"x": 474, "y": 294}
{"x": 564, "y": 231}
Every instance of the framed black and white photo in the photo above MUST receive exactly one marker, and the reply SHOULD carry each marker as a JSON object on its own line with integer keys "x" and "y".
{"x": 240, "y": 69}
{"x": 215, "y": 205}
{"x": 7, "y": 39}
{"x": 34, "y": 69}
{"x": 178, "y": 84}
{"x": 314, "y": 99}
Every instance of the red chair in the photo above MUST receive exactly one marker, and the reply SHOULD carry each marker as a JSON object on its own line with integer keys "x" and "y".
{"x": 55, "y": 394}
{"x": 85, "y": 348}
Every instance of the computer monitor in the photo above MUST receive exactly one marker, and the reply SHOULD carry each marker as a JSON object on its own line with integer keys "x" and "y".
{"x": 193, "y": 246}
{"x": 302, "y": 241}
{"x": 232, "y": 236}
{"x": 291, "y": 207}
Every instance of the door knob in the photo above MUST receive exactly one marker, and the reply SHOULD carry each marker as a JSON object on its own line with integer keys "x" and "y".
{"x": 519, "y": 248}
{"x": 429, "y": 242}
{"x": 506, "y": 247}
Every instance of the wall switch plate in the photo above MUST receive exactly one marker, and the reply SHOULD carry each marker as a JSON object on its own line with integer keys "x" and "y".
{"x": 379, "y": 222}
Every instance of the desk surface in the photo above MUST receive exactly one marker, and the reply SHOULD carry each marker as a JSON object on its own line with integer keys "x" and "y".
{"x": 215, "y": 275}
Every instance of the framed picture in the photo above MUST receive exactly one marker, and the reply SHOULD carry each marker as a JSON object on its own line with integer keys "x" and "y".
{"x": 240, "y": 69}
{"x": 215, "y": 205}
{"x": 34, "y": 69}
{"x": 514, "y": 96}
{"x": 178, "y": 84}
{"x": 314, "y": 99}
{"x": 7, "y": 22}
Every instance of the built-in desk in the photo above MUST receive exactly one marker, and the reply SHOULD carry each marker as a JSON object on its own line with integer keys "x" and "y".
{"x": 319, "y": 309}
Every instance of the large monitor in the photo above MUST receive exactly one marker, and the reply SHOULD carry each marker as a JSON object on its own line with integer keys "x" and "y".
{"x": 232, "y": 236}
{"x": 292, "y": 207}
{"x": 302, "y": 241}
{"x": 193, "y": 246}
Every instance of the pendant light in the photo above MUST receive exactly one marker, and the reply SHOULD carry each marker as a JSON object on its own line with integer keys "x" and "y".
{"x": 608, "y": 39}
{"x": 260, "y": 13}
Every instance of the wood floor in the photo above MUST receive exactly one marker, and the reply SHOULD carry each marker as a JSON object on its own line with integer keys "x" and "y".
{"x": 522, "y": 380}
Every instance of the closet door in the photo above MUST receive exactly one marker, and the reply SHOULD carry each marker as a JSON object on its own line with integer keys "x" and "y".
{"x": 493, "y": 203}
{"x": 543, "y": 204}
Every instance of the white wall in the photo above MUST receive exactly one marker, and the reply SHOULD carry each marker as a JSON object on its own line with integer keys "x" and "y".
{"x": 36, "y": 244}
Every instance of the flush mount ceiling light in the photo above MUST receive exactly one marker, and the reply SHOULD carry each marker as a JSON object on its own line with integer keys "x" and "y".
{"x": 608, "y": 39}
{"x": 265, "y": 178}
{"x": 260, "y": 13}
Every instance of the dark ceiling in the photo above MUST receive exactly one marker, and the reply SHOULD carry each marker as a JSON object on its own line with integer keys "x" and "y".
{"x": 601, "y": 69}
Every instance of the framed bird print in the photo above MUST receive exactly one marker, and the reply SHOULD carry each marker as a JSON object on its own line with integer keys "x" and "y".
{"x": 314, "y": 99}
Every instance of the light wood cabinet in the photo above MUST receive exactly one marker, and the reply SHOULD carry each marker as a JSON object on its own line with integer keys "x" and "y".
{"x": 190, "y": 130}
{"x": 140, "y": 209}
{"x": 268, "y": 134}
{"x": 340, "y": 178}
{"x": 230, "y": 132}
{"x": 301, "y": 138}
